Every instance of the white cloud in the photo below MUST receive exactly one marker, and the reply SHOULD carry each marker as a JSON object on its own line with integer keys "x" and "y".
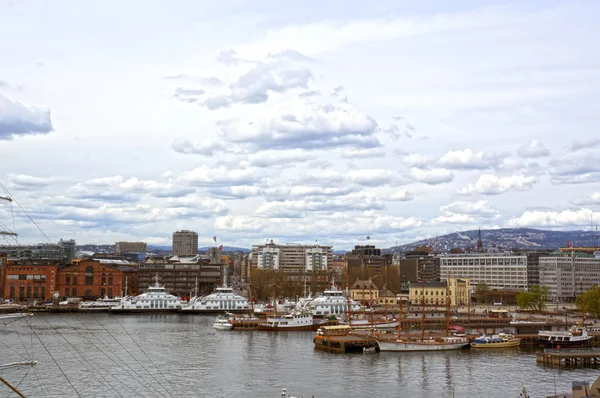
{"x": 354, "y": 153}
{"x": 534, "y": 149}
{"x": 401, "y": 196}
{"x": 431, "y": 176}
{"x": 300, "y": 124}
{"x": 488, "y": 184}
{"x": 24, "y": 181}
{"x": 564, "y": 218}
{"x": 467, "y": 159}
{"x": 591, "y": 143}
{"x": 593, "y": 199}
{"x": 205, "y": 147}
{"x": 453, "y": 218}
{"x": 480, "y": 208}
{"x": 416, "y": 160}
{"x": 17, "y": 119}
{"x": 575, "y": 168}
{"x": 220, "y": 176}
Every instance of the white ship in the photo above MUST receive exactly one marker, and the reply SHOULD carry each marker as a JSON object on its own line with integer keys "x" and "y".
{"x": 333, "y": 302}
{"x": 221, "y": 300}
{"x": 156, "y": 299}
{"x": 103, "y": 304}
{"x": 576, "y": 336}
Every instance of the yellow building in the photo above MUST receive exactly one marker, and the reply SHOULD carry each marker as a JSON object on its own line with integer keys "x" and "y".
{"x": 364, "y": 291}
{"x": 435, "y": 293}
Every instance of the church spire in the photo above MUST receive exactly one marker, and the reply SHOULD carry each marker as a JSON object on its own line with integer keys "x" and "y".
{"x": 479, "y": 241}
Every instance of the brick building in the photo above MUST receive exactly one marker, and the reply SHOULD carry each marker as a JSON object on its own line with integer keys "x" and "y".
{"x": 97, "y": 278}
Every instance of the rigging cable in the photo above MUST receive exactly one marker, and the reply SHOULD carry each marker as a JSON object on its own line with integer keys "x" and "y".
{"x": 24, "y": 211}
{"x": 53, "y": 359}
{"x": 132, "y": 356}
{"x": 149, "y": 359}
{"x": 88, "y": 362}
{"x": 132, "y": 374}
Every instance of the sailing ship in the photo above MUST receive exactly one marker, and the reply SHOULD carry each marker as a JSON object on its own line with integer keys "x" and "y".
{"x": 414, "y": 343}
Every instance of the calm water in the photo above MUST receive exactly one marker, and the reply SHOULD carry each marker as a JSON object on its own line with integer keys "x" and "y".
{"x": 183, "y": 356}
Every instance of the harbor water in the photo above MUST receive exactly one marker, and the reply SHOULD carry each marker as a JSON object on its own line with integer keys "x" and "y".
{"x": 171, "y": 355}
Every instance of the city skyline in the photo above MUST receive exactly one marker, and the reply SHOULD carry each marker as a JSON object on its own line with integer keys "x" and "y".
{"x": 298, "y": 122}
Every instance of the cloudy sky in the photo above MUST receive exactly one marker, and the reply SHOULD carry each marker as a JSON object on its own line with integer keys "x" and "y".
{"x": 298, "y": 121}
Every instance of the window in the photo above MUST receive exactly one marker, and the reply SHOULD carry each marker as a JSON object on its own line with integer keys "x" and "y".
{"x": 89, "y": 275}
{"x": 102, "y": 292}
{"x": 110, "y": 278}
{"x": 68, "y": 279}
{"x": 74, "y": 292}
{"x": 75, "y": 279}
{"x": 110, "y": 292}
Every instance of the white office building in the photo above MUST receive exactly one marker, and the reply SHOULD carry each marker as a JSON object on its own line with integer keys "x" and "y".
{"x": 568, "y": 275}
{"x": 497, "y": 270}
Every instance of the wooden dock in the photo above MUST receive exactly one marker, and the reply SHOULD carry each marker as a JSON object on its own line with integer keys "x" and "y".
{"x": 345, "y": 344}
{"x": 568, "y": 359}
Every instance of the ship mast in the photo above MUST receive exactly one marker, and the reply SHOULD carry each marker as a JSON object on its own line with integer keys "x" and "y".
{"x": 400, "y": 318}
{"x": 423, "y": 311}
{"x": 448, "y": 304}
{"x": 347, "y": 293}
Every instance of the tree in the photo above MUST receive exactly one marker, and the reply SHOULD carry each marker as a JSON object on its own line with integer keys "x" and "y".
{"x": 590, "y": 301}
{"x": 482, "y": 292}
{"x": 535, "y": 299}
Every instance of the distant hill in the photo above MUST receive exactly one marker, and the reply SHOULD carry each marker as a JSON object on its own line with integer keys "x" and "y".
{"x": 506, "y": 238}
{"x": 228, "y": 249}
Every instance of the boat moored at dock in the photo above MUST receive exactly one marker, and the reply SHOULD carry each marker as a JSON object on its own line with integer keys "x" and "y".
{"x": 501, "y": 340}
{"x": 296, "y": 321}
{"x": 222, "y": 300}
{"x": 576, "y": 336}
{"x": 155, "y": 299}
{"x": 102, "y": 304}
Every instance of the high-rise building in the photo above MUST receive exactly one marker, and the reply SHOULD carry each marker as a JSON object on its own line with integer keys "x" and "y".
{"x": 185, "y": 243}
{"x": 131, "y": 247}
{"x": 292, "y": 257}
{"x": 367, "y": 256}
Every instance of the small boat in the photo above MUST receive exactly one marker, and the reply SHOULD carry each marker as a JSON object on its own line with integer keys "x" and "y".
{"x": 501, "y": 340}
{"x": 576, "y": 336}
{"x": 103, "y": 304}
{"x": 296, "y": 321}
{"x": 222, "y": 323}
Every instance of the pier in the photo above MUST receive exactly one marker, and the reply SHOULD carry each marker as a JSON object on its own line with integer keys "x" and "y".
{"x": 568, "y": 359}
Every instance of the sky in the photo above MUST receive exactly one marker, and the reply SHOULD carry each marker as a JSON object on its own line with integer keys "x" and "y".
{"x": 300, "y": 122}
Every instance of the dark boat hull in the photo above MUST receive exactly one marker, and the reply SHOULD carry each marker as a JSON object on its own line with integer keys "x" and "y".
{"x": 564, "y": 344}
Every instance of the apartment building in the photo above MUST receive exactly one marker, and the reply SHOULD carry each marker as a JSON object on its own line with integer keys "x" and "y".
{"x": 131, "y": 247}
{"x": 292, "y": 257}
{"x": 497, "y": 270}
{"x": 185, "y": 243}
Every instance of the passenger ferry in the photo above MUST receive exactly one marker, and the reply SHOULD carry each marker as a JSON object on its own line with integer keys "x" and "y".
{"x": 296, "y": 321}
{"x": 221, "y": 300}
{"x": 156, "y": 299}
{"x": 333, "y": 302}
{"x": 501, "y": 340}
{"x": 576, "y": 336}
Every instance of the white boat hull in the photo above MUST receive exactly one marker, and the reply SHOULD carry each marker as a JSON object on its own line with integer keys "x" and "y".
{"x": 223, "y": 326}
{"x": 416, "y": 346}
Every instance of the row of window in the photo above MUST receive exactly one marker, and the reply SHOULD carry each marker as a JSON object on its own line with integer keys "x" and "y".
{"x": 26, "y": 277}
